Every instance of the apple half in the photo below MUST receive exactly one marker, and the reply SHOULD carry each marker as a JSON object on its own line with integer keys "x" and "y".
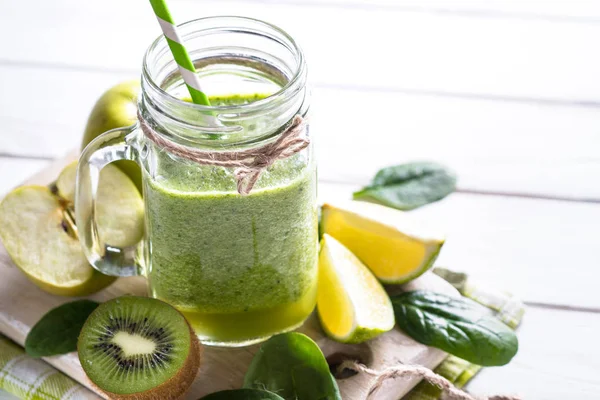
{"x": 38, "y": 230}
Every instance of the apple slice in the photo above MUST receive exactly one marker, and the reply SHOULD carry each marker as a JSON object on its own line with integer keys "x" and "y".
{"x": 38, "y": 231}
{"x": 119, "y": 207}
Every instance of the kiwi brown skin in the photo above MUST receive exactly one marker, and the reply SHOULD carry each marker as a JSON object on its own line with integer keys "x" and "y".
{"x": 173, "y": 389}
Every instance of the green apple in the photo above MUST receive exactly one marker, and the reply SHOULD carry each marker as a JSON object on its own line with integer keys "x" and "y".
{"x": 116, "y": 108}
{"x": 39, "y": 233}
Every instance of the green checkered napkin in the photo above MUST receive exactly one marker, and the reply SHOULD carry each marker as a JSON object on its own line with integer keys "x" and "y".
{"x": 458, "y": 371}
{"x": 32, "y": 379}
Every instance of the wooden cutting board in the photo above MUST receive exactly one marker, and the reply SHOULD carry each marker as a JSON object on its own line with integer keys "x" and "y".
{"x": 22, "y": 304}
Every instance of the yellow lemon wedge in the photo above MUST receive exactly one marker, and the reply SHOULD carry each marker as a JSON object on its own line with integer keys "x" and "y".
{"x": 353, "y": 306}
{"x": 393, "y": 244}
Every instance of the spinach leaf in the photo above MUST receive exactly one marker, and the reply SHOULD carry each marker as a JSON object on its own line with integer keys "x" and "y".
{"x": 409, "y": 186}
{"x": 293, "y": 366}
{"x": 242, "y": 394}
{"x": 58, "y": 330}
{"x": 458, "y": 326}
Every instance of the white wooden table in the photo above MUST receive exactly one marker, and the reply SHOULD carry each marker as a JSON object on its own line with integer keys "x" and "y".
{"x": 506, "y": 92}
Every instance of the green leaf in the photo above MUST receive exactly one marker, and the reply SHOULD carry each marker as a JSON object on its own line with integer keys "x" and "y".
{"x": 58, "y": 330}
{"x": 409, "y": 186}
{"x": 242, "y": 394}
{"x": 458, "y": 326}
{"x": 293, "y": 366}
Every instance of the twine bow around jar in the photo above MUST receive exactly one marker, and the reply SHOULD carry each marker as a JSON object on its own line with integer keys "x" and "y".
{"x": 248, "y": 163}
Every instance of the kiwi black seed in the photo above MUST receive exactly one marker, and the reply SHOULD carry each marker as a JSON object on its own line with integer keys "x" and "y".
{"x": 139, "y": 348}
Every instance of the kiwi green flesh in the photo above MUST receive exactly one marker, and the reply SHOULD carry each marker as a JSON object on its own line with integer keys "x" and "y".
{"x": 129, "y": 366}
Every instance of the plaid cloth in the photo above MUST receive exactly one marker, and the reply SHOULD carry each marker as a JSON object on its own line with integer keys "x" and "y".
{"x": 508, "y": 308}
{"x": 32, "y": 379}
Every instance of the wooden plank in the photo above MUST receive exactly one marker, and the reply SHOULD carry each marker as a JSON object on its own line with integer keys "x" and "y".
{"x": 393, "y": 50}
{"x": 577, "y": 10}
{"x": 493, "y": 146}
{"x": 549, "y": 366}
{"x": 542, "y": 250}
{"x": 52, "y": 122}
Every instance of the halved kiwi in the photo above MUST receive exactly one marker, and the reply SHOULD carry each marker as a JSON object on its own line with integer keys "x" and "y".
{"x": 139, "y": 348}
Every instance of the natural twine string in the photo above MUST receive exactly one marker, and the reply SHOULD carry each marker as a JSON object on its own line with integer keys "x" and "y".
{"x": 416, "y": 371}
{"x": 248, "y": 163}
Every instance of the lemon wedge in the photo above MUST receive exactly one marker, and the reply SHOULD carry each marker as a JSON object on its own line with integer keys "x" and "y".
{"x": 352, "y": 304}
{"x": 393, "y": 244}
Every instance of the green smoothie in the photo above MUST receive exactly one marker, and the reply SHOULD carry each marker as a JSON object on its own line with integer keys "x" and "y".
{"x": 240, "y": 268}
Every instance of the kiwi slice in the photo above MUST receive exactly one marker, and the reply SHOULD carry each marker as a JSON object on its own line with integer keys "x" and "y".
{"x": 139, "y": 348}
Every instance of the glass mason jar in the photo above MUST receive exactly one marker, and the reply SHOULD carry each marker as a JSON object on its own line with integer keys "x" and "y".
{"x": 239, "y": 267}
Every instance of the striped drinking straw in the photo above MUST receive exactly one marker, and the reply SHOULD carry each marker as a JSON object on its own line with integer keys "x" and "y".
{"x": 180, "y": 54}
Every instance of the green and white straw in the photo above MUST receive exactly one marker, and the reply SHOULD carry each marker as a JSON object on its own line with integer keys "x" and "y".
{"x": 180, "y": 54}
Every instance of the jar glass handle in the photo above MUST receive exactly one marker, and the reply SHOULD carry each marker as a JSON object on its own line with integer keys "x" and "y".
{"x": 109, "y": 147}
